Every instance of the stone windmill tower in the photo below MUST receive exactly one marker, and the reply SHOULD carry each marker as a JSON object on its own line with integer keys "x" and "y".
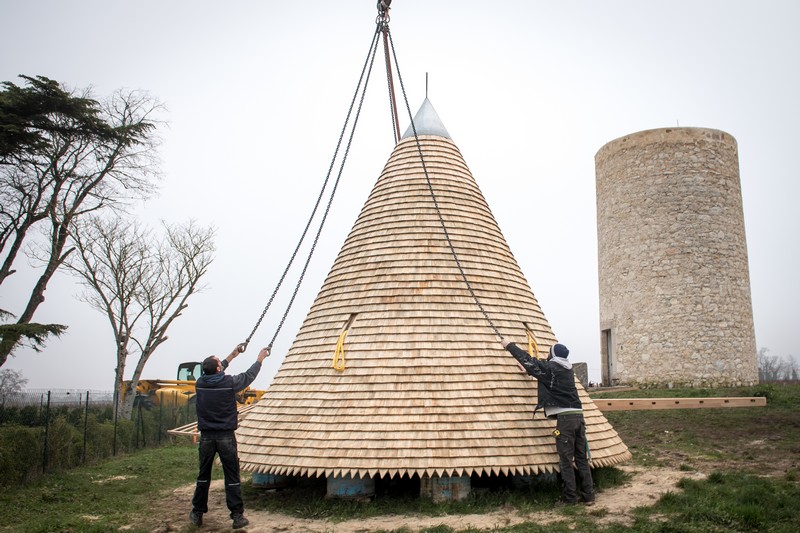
{"x": 675, "y": 307}
{"x": 424, "y": 387}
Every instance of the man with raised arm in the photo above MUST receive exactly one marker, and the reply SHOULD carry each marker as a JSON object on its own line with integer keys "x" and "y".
{"x": 217, "y": 420}
{"x": 559, "y": 398}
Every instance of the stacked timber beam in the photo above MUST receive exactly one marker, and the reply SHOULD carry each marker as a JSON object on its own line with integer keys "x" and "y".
{"x": 638, "y": 404}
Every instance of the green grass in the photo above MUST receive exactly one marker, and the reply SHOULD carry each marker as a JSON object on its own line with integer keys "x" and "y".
{"x": 729, "y": 501}
{"x": 724, "y": 503}
{"x": 103, "y": 497}
{"x": 750, "y": 456}
{"x": 758, "y": 439}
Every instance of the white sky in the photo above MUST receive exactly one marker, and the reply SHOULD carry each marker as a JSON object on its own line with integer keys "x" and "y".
{"x": 257, "y": 92}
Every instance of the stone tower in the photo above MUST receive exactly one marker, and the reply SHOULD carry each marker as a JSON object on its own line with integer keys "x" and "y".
{"x": 675, "y": 306}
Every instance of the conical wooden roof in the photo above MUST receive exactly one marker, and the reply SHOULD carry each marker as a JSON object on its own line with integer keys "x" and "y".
{"x": 427, "y": 388}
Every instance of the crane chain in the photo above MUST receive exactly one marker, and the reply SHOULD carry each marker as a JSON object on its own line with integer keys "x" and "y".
{"x": 333, "y": 192}
{"x": 368, "y": 69}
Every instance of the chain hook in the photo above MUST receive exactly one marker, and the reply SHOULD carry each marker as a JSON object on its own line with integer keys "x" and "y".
{"x": 383, "y": 12}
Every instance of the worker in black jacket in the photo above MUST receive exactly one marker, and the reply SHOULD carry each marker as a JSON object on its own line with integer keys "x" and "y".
{"x": 217, "y": 420}
{"x": 559, "y": 398}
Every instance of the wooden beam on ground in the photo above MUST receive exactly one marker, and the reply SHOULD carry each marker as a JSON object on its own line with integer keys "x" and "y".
{"x": 190, "y": 430}
{"x": 638, "y": 404}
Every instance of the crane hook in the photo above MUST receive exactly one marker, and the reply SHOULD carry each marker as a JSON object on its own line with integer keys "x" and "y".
{"x": 383, "y": 10}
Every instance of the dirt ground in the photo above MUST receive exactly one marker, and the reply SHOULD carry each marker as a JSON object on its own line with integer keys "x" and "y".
{"x": 613, "y": 505}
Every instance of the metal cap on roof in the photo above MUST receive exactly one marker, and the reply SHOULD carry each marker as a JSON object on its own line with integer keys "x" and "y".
{"x": 427, "y": 122}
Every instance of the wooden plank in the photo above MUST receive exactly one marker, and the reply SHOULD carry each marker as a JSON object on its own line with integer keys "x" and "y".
{"x": 638, "y": 404}
{"x": 190, "y": 430}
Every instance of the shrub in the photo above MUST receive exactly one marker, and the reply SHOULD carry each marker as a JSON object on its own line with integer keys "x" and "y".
{"x": 20, "y": 454}
{"x": 75, "y": 435}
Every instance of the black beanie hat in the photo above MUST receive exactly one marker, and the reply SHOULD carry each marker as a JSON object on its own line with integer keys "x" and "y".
{"x": 559, "y": 350}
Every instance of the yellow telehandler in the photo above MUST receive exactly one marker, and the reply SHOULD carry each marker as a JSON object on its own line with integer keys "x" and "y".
{"x": 178, "y": 392}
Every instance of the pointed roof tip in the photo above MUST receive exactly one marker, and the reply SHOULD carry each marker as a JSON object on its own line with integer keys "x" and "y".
{"x": 427, "y": 122}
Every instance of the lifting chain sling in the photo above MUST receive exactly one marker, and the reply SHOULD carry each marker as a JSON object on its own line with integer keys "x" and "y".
{"x": 364, "y": 78}
{"x": 382, "y": 27}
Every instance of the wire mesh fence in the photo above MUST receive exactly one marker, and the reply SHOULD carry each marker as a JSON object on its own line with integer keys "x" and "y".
{"x": 56, "y": 429}
{"x": 58, "y": 397}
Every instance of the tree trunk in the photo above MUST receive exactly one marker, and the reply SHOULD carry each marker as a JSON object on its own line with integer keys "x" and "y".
{"x": 37, "y": 298}
{"x": 6, "y": 269}
{"x": 126, "y": 406}
{"x": 58, "y": 243}
{"x": 127, "y": 389}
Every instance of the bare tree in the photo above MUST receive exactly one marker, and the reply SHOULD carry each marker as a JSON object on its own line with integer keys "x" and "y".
{"x": 76, "y": 165}
{"x": 776, "y": 368}
{"x": 792, "y": 370}
{"x": 11, "y": 383}
{"x": 140, "y": 281}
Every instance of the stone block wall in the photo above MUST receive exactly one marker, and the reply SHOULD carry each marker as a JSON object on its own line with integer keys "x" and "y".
{"x": 675, "y": 307}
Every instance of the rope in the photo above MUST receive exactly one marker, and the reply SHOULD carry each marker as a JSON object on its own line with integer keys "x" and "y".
{"x": 433, "y": 196}
{"x": 366, "y": 68}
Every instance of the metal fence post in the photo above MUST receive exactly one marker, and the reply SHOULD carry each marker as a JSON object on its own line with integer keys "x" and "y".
{"x": 138, "y": 425}
{"x": 135, "y": 432}
{"x": 141, "y": 423}
{"x": 158, "y": 432}
{"x": 85, "y": 425}
{"x": 46, "y": 433}
{"x": 116, "y": 417}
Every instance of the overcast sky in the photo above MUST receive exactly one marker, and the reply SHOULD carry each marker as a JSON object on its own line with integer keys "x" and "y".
{"x": 256, "y": 94}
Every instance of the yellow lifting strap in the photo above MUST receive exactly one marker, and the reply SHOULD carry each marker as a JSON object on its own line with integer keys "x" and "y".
{"x": 338, "y": 353}
{"x": 533, "y": 348}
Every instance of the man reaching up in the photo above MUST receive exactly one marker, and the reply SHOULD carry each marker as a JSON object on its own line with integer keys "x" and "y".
{"x": 217, "y": 420}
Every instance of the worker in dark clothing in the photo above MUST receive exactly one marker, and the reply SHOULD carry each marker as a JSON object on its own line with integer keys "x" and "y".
{"x": 559, "y": 398}
{"x": 217, "y": 420}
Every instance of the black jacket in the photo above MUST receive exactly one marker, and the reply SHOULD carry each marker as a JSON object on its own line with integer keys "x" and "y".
{"x": 216, "y": 398}
{"x": 556, "y": 383}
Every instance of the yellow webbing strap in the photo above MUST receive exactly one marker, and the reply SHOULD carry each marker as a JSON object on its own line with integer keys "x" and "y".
{"x": 533, "y": 348}
{"x": 338, "y": 353}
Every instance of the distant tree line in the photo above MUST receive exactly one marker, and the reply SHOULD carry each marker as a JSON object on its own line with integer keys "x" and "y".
{"x": 776, "y": 368}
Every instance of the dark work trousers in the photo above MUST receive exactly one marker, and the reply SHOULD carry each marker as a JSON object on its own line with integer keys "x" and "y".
{"x": 222, "y": 443}
{"x": 572, "y": 446}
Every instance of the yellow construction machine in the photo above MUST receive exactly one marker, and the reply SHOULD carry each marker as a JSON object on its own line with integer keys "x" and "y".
{"x": 179, "y": 392}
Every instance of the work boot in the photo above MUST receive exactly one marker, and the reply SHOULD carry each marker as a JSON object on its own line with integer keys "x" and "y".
{"x": 563, "y": 502}
{"x": 239, "y": 521}
{"x": 196, "y": 518}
